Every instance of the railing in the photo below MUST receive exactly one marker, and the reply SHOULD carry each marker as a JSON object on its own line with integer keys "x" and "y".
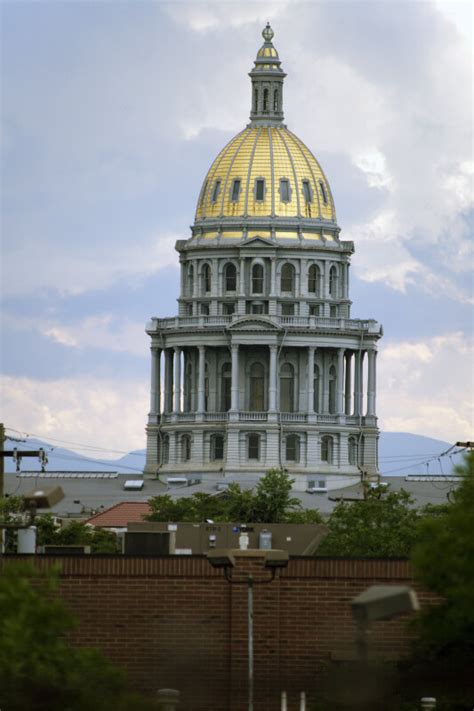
{"x": 310, "y": 322}
{"x": 284, "y": 417}
{"x": 293, "y": 417}
{"x": 259, "y": 416}
{"x": 216, "y": 416}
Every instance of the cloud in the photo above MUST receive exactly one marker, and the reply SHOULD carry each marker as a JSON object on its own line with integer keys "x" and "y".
{"x": 425, "y": 386}
{"x": 103, "y": 413}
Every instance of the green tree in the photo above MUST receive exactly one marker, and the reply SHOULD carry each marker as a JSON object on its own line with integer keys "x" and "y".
{"x": 383, "y": 524}
{"x": 444, "y": 563}
{"x": 38, "y": 667}
{"x": 75, "y": 533}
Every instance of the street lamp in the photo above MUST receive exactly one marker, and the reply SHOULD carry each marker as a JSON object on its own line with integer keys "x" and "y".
{"x": 274, "y": 560}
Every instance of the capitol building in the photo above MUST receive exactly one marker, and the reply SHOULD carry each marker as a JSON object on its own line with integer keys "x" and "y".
{"x": 263, "y": 366}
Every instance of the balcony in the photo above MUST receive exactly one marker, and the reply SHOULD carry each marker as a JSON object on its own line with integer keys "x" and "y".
{"x": 313, "y": 323}
{"x": 283, "y": 417}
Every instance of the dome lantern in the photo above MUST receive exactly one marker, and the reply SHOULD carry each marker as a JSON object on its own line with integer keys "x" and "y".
{"x": 267, "y": 84}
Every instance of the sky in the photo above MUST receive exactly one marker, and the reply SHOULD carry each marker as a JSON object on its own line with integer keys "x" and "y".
{"x": 112, "y": 113}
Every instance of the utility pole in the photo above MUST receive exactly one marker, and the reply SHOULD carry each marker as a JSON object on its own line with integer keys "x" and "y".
{"x": 2, "y": 467}
{"x": 467, "y": 445}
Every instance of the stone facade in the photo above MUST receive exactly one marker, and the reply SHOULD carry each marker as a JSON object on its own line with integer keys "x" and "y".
{"x": 264, "y": 366}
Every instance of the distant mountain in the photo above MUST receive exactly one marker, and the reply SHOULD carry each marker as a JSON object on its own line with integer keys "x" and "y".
{"x": 400, "y": 453}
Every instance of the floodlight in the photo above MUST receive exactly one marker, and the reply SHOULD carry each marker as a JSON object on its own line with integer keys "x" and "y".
{"x": 381, "y": 602}
{"x": 276, "y": 559}
{"x": 44, "y": 498}
{"x": 221, "y": 558}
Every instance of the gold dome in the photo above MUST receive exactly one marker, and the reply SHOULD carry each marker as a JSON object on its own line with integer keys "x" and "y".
{"x": 265, "y": 171}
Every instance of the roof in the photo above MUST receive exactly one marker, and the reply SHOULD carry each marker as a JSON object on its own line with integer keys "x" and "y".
{"x": 273, "y": 153}
{"x": 121, "y": 514}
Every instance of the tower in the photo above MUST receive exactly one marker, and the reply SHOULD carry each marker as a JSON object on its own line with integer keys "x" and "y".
{"x": 263, "y": 366}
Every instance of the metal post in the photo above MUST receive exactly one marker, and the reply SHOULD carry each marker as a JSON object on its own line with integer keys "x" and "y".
{"x": 284, "y": 701}
{"x": 303, "y": 701}
{"x": 250, "y": 637}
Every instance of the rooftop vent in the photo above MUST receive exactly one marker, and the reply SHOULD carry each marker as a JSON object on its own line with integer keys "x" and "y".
{"x": 133, "y": 485}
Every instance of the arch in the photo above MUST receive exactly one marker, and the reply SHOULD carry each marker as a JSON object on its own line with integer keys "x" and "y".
{"x": 287, "y": 388}
{"x": 314, "y": 279}
{"x": 292, "y": 448}
{"x": 353, "y": 447}
{"x": 226, "y": 386}
{"x": 327, "y": 449}
{"x": 217, "y": 447}
{"x": 258, "y": 274}
{"x": 185, "y": 447}
{"x": 230, "y": 277}
{"x": 332, "y": 390}
{"x": 206, "y": 278}
{"x": 257, "y": 387}
{"x": 275, "y": 100}
{"x": 333, "y": 281}
{"x": 287, "y": 278}
{"x": 190, "y": 279}
{"x": 265, "y": 100}
{"x": 316, "y": 386}
{"x": 255, "y": 99}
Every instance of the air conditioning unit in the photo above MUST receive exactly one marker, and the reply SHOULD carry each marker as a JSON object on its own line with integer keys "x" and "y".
{"x": 64, "y": 550}
{"x": 316, "y": 490}
{"x": 177, "y": 481}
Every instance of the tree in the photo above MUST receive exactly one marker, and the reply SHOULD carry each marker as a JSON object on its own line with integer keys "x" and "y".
{"x": 383, "y": 524}
{"x": 444, "y": 563}
{"x": 38, "y": 668}
{"x": 75, "y": 533}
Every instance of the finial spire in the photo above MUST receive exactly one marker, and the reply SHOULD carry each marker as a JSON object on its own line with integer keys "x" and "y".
{"x": 267, "y": 83}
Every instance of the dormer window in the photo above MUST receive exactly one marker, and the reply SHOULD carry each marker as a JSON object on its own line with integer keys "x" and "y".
{"x": 324, "y": 194}
{"x": 235, "y": 192}
{"x": 307, "y": 191}
{"x": 260, "y": 189}
{"x": 285, "y": 190}
{"x": 215, "y": 192}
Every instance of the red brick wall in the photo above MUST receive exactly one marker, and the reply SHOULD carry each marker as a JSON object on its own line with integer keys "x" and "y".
{"x": 175, "y": 622}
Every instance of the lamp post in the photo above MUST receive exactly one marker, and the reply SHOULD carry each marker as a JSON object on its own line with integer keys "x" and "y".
{"x": 274, "y": 559}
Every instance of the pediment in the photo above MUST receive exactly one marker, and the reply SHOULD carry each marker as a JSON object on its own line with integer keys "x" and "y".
{"x": 257, "y": 242}
{"x": 254, "y": 323}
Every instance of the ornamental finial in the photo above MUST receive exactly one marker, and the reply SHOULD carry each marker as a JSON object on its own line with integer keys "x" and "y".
{"x": 267, "y": 33}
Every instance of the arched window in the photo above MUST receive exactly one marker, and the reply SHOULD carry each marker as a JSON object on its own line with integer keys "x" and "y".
{"x": 257, "y": 388}
{"x": 166, "y": 449}
{"x": 332, "y": 389}
{"x": 217, "y": 447}
{"x": 287, "y": 388}
{"x": 352, "y": 447}
{"x": 255, "y": 99}
{"x": 190, "y": 280}
{"x": 314, "y": 279}
{"x": 226, "y": 386}
{"x": 186, "y": 448}
{"x": 327, "y": 449}
{"x": 265, "y": 99}
{"x": 333, "y": 281}
{"x": 206, "y": 278}
{"x": 287, "y": 280}
{"x": 257, "y": 279}
{"x": 230, "y": 278}
{"x": 253, "y": 446}
{"x": 275, "y": 100}
{"x": 188, "y": 388}
{"x": 316, "y": 385}
{"x": 292, "y": 453}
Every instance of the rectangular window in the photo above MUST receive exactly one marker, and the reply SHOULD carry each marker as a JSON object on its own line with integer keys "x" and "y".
{"x": 254, "y": 446}
{"x": 285, "y": 190}
{"x": 287, "y": 309}
{"x": 258, "y": 308}
{"x": 204, "y": 309}
{"x": 306, "y": 191}
{"x": 215, "y": 192}
{"x": 228, "y": 309}
{"x": 189, "y": 309}
{"x": 314, "y": 310}
{"x": 333, "y": 311}
{"x": 259, "y": 189}
{"x": 323, "y": 193}
{"x": 235, "y": 190}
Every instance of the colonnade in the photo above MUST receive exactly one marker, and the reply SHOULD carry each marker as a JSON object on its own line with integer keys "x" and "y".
{"x": 349, "y": 381}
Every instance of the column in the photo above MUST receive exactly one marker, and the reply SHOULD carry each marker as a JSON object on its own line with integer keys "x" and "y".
{"x": 234, "y": 388}
{"x": 326, "y": 280}
{"x": 361, "y": 383}
{"x": 177, "y": 379}
{"x": 272, "y": 384}
{"x": 325, "y": 383}
{"x": 311, "y": 351}
{"x": 201, "y": 375}
{"x": 356, "y": 410}
{"x": 273, "y": 277}
{"x": 340, "y": 382}
{"x": 155, "y": 395}
{"x": 168, "y": 380}
{"x": 348, "y": 382}
{"x": 371, "y": 383}
{"x": 242, "y": 277}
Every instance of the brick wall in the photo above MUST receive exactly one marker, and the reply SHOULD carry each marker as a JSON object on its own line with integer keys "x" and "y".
{"x": 176, "y": 622}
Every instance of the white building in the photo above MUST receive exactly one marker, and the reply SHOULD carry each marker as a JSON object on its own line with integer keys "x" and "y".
{"x": 264, "y": 367}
